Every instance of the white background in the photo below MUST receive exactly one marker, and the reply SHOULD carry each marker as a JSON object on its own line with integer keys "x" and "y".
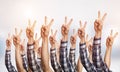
{"x": 15, "y": 13}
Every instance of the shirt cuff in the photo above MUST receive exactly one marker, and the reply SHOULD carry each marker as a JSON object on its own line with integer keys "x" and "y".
{"x": 30, "y": 46}
{"x": 82, "y": 45}
{"x": 64, "y": 43}
{"x": 52, "y": 51}
{"x": 97, "y": 41}
{"x": 23, "y": 55}
{"x": 72, "y": 51}
{"x": 8, "y": 51}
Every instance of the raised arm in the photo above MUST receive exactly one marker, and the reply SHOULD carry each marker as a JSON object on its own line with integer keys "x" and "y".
{"x": 45, "y": 53}
{"x": 16, "y": 42}
{"x": 72, "y": 49}
{"x": 30, "y": 48}
{"x": 109, "y": 44}
{"x": 56, "y": 66}
{"x": 83, "y": 52}
{"x": 8, "y": 63}
{"x": 64, "y": 60}
{"x": 96, "y": 51}
{"x": 23, "y": 55}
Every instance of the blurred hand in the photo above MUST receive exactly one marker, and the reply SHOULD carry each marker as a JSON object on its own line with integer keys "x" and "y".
{"x": 52, "y": 39}
{"x": 81, "y": 32}
{"x": 98, "y": 24}
{"x": 22, "y": 47}
{"x": 36, "y": 46}
{"x": 9, "y": 42}
{"x": 30, "y": 30}
{"x": 110, "y": 39}
{"x": 65, "y": 28}
{"x": 46, "y": 28}
{"x": 73, "y": 39}
{"x": 16, "y": 38}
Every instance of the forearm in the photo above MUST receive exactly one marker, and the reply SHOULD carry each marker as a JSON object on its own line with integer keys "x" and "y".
{"x": 24, "y": 60}
{"x": 84, "y": 58}
{"x": 72, "y": 57}
{"x": 54, "y": 62}
{"x": 79, "y": 66}
{"x": 107, "y": 58}
{"x": 19, "y": 62}
{"x": 96, "y": 52}
{"x": 8, "y": 63}
{"x": 45, "y": 55}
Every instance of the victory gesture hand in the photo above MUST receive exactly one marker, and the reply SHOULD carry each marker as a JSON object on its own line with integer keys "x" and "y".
{"x": 8, "y": 42}
{"x": 89, "y": 44}
{"x": 52, "y": 39}
{"x": 36, "y": 43}
{"x": 46, "y": 28}
{"x": 110, "y": 39}
{"x": 22, "y": 47}
{"x": 65, "y": 28}
{"x": 98, "y": 24}
{"x": 16, "y": 38}
{"x": 73, "y": 39}
{"x": 30, "y": 30}
{"x": 81, "y": 31}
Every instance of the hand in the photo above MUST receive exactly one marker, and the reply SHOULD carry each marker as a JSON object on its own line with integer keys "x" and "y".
{"x": 81, "y": 32}
{"x": 22, "y": 47}
{"x": 65, "y": 28}
{"x": 16, "y": 38}
{"x": 73, "y": 39}
{"x": 9, "y": 42}
{"x": 89, "y": 44}
{"x": 37, "y": 43}
{"x": 39, "y": 52}
{"x": 30, "y": 31}
{"x": 52, "y": 39}
{"x": 46, "y": 28}
{"x": 110, "y": 39}
{"x": 98, "y": 25}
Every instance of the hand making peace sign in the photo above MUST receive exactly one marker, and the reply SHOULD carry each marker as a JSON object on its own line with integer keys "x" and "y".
{"x": 65, "y": 28}
{"x": 52, "y": 39}
{"x": 110, "y": 39}
{"x": 46, "y": 28}
{"x": 98, "y": 24}
{"x": 30, "y": 30}
{"x": 81, "y": 31}
{"x": 16, "y": 38}
{"x": 9, "y": 42}
{"x": 73, "y": 39}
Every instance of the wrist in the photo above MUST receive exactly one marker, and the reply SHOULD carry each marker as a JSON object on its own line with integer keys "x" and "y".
{"x": 98, "y": 35}
{"x": 82, "y": 40}
{"x": 65, "y": 38}
{"x": 30, "y": 41}
{"x": 8, "y": 48}
{"x": 53, "y": 46}
{"x": 73, "y": 46}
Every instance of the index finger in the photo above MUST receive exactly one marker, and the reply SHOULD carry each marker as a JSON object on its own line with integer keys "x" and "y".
{"x": 20, "y": 32}
{"x": 15, "y": 31}
{"x": 65, "y": 19}
{"x": 111, "y": 33}
{"x": 80, "y": 24}
{"x": 98, "y": 14}
{"x": 45, "y": 20}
